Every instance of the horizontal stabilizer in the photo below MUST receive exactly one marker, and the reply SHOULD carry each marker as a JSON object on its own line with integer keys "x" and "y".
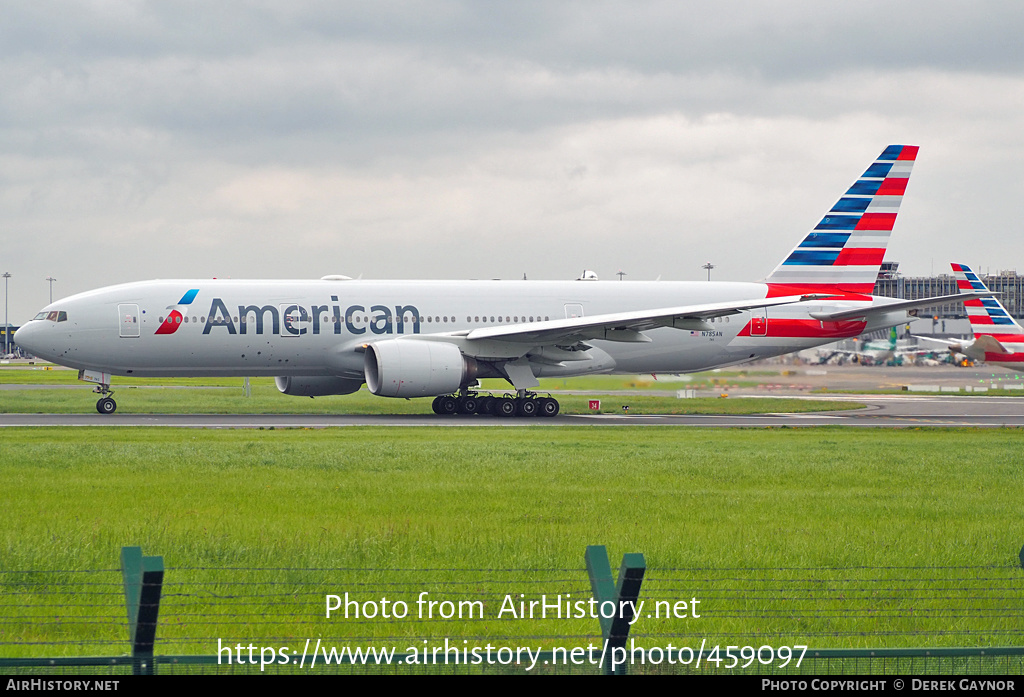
{"x": 897, "y": 305}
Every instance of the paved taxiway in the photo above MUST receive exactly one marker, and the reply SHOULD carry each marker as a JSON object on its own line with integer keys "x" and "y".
{"x": 900, "y": 410}
{"x": 882, "y": 411}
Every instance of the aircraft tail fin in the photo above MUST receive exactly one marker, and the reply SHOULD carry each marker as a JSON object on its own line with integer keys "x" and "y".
{"x": 843, "y": 253}
{"x": 988, "y": 316}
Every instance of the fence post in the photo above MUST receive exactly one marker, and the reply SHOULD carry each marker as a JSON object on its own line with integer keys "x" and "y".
{"x": 143, "y": 582}
{"x": 624, "y": 594}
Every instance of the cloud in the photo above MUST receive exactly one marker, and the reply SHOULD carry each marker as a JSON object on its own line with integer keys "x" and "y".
{"x": 456, "y": 139}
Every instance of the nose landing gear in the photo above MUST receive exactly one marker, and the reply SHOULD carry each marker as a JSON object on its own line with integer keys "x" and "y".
{"x": 105, "y": 404}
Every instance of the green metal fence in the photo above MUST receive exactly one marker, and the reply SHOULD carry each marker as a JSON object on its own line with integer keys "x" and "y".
{"x": 970, "y": 616}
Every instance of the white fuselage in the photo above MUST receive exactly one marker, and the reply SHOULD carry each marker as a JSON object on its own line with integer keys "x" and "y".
{"x": 319, "y": 327}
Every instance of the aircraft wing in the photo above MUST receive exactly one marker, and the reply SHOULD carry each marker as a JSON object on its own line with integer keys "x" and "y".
{"x": 984, "y": 344}
{"x": 871, "y": 353}
{"x": 947, "y": 342}
{"x": 624, "y": 326}
{"x": 899, "y": 305}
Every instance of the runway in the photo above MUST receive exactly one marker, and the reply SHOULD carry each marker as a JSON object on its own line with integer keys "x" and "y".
{"x": 882, "y": 411}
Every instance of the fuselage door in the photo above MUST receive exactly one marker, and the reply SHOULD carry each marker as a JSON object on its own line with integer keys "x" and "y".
{"x": 295, "y": 320}
{"x": 129, "y": 321}
{"x": 573, "y": 310}
{"x": 759, "y": 321}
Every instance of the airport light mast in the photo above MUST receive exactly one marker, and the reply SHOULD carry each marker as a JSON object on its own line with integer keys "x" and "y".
{"x": 7, "y": 325}
{"x": 51, "y": 279}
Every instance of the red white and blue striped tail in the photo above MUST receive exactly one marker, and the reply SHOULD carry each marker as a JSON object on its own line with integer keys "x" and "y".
{"x": 988, "y": 316}
{"x": 844, "y": 252}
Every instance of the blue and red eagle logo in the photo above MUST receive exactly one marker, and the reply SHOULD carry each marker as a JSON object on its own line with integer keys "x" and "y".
{"x": 177, "y": 313}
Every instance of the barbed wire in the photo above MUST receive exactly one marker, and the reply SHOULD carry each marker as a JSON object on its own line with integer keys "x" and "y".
{"x": 360, "y": 569}
{"x": 201, "y": 603}
{"x": 651, "y": 572}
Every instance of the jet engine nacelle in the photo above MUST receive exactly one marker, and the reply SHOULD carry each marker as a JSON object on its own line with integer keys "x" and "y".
{"x": 412, "y": 368}
{"x": 316, "y": 386}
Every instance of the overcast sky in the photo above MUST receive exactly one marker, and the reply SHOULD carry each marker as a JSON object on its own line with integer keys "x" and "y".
{"x": 457, "y": 139}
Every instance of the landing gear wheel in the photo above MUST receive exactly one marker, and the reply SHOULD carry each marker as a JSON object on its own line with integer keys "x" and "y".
{"x": 548, "y": 406}
{"x": 468, "y": 405}
{"x": 504, "y": 406}
{"x": 436, "y": 405}
{"x": 485, "y": 405}
{"x": 106, "y": 405}
{"x": 447, "y": 405}
{"x": 526, "y": 407}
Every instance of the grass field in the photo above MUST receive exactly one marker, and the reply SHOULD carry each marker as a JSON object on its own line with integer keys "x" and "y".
{"x": 267, "y": 400}
{"x": 391, "y": 511}
{"x": 48, "y": 374}
{"x": 225, "y": 396}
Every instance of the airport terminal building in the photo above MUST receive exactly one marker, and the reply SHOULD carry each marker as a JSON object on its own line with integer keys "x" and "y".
{"x": 7, "y": 338}
{"x": 949, "y": 319}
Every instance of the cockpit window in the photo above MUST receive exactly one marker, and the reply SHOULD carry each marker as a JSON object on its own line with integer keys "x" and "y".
{"x": 53, "y": 316}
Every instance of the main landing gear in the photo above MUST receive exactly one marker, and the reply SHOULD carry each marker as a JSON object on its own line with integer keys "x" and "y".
{"x": 105, "y": 404}
{"x": 524, "y": 404}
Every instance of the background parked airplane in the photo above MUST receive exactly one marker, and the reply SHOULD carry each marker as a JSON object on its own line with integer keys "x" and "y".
{"x": 891, "y": 351}
{"x": 436, "y": 338}
{"x": 998, "y": 338}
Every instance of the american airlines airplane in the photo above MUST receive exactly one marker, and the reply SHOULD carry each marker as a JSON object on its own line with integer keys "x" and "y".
{"x": 436, "y": 338}
{"x": 998, "y": 338}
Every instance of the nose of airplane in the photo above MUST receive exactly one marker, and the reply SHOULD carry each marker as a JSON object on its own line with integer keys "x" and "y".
{"x": 27, "y": 337}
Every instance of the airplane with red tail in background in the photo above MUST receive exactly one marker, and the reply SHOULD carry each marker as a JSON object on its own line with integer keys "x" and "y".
{"x": 998, "y": 337}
